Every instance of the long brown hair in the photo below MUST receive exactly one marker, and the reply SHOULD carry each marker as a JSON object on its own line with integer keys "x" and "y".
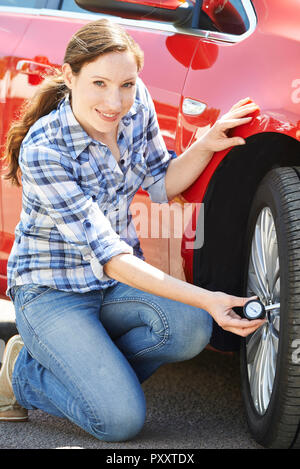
{"x": 87, "y": 44}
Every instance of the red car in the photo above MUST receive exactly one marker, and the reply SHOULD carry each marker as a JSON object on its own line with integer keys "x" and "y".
{"x": 243, "y": 234}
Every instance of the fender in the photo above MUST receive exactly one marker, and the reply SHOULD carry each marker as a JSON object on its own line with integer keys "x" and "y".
{"x": 226, "y": 189}
{"x": 268, "y": 121}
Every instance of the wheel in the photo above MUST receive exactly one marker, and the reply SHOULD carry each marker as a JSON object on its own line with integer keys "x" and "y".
{"x": 270, "y": 357}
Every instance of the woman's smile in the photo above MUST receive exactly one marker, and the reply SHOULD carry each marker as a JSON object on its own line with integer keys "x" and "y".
{"x": 109, "y": 117}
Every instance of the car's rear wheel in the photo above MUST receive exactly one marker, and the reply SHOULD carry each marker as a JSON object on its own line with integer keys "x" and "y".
{"x": 270, "y": 358}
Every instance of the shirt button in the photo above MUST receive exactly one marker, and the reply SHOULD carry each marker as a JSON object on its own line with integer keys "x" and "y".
{"x": 87, "y": 224}
{"x": 122, "y": 161}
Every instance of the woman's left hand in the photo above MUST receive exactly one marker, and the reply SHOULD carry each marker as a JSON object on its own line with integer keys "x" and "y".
{"x": 217, "y": 139}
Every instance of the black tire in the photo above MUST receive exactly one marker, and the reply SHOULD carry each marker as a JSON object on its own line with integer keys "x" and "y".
{"x": 274, "y": 416}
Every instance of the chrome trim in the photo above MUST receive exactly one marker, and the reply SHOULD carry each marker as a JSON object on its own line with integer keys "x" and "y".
{"x": 152, "y": 25}
{"x": 21, "y": 63}
{"x": 192, "y": 107}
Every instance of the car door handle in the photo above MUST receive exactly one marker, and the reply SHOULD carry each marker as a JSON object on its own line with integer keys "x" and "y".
{"x": 192, "y": 107}
{"x": 30, "y": 67}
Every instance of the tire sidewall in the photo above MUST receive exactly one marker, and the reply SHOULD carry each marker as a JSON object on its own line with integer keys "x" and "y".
{"x": 264, "y": 427}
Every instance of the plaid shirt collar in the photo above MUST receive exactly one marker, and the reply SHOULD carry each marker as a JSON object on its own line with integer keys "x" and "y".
{"x": 75, "y": 137}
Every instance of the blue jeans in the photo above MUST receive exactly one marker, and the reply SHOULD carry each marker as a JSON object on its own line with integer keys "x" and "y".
{"x": 86, "y": 354}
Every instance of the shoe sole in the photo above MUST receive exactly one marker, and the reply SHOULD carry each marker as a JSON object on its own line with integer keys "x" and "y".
{"x": 13, "y": 419}
{"x": 4, "y": 371}
{"x": 10, "y": 344}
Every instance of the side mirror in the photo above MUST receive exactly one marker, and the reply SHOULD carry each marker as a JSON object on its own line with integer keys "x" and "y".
{"x": 177, "y": 12}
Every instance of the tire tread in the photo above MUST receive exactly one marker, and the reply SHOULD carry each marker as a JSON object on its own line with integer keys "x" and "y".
{"x": 285, "y": 182}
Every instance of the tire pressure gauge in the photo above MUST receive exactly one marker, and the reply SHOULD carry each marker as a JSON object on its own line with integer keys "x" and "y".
{"x": 255, "y": 309}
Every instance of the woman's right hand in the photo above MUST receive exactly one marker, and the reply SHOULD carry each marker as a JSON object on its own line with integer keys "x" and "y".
{"x": 220, "y": 308}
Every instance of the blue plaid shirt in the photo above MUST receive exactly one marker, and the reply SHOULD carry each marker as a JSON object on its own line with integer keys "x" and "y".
{"x": 76, "y": 197}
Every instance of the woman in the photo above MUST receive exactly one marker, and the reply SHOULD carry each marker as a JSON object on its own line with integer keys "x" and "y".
{"x": 95, "y": 318}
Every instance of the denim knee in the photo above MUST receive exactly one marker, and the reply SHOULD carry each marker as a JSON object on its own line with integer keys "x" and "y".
{"x": 123, "y": 423}
{"x": 188, "y": 340}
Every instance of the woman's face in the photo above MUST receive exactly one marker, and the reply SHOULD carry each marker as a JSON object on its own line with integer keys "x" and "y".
{"x": 103, "y": 92}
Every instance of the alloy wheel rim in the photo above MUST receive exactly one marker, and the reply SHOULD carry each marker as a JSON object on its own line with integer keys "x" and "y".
{"x": 264, "y": 281}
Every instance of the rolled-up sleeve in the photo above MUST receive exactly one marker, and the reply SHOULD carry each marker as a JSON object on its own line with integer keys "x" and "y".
{"x": 157, "y": 157}
{"x": 51, "y": 182}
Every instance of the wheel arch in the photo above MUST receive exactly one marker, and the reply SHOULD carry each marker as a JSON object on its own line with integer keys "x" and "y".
{"x": 218, "y": 265}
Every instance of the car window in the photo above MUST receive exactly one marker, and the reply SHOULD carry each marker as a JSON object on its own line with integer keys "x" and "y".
{"x": 19, "y": 3}
{"x": 70, "y": 5}
{"x": 224, "y": 16}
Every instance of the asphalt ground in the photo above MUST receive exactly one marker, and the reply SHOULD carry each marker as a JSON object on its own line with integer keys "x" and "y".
{"x": 195, "y": 404}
